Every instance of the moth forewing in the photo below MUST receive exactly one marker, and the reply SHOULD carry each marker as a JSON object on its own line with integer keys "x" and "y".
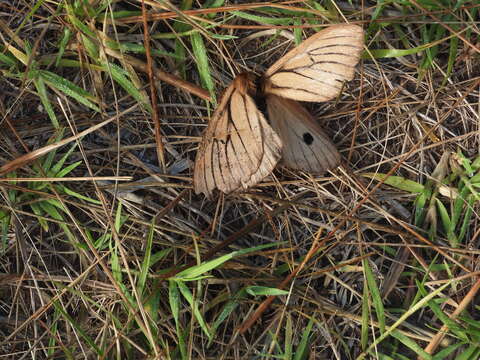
{"x": 305, "y": 145}
{"x": 233, "y": 153}
{"x": 315, "y": 70}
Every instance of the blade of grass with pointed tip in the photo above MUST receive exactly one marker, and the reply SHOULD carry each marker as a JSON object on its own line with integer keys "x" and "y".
{"x": 67, "y": 169}
{"x": 302, "y": 350}
{"x": 466, "y": 218}
{"x": 412, "y": 345}
{"x": 187, "y": 294}
{"x": 263, "y": 19}
{"x": 297, "y": 31}
{"x": 56, "y": 169}
{"x": 202, "y": 60}
{"x": 180, "y": 52}
{"x": 446, "y": 352}
{"x": 174, "y": 301}
{"x": 62, "y": 45}
{"x": 7, "y": 58}
{"x": 68, "y": 88}
{"x": 38, "y": 211}
{"x": 460, "y": 202}
{"x": 50, "y": 206}
{"x": 365, "y": 317}
{"x": 228, "y": 309}
{"x": 375, "y": 295}
{"x": 77, "y": 195}
{"x": 47, "y": 162}
{"x": 196, "y": 271}
{"x": 121, "y": 77}
{"x": 142, "y": 278}
{"x": 265, "y": 291}
{"x": 398, "y": 182}
{"x": 452, "y": 56}
{"x": 114, "y": 257}
{"x": 394, "y": 53}
{"x": 42, "y": 94}
{"x": 447, "y": 224}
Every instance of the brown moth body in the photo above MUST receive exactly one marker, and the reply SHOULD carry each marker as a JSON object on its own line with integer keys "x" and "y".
{"x": 239, "y": 147}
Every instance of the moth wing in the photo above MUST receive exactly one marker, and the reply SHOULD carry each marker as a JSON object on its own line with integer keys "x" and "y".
{"x": 238, "y": 148}
{"x": 305, "y": 145}
{"x": 316, "y": 69}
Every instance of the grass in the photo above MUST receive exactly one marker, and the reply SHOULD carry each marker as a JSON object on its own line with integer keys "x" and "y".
{"x": 107, "y": 253}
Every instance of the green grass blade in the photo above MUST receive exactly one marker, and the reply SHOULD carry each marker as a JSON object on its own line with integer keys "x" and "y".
{"x": 202, "y": 61}
{"x": 265, "y": 291}
{"x": 7, "y": 58}
{"x": 263, "y": 19}
{"x": 187, "y": 294}
{"x": 470, "y": 353}
{"x": 466, "y": 218}
{"x": 397, "y": 182}
{"x": 68, "y": 88}
{"x": 62, "y": 45}
{"x": 38, "y": 211}
{"x": 412, "y": 345}
{"x": 196, "y": 271}
{"x": 445, "y": 353}
{"x": 365, "y": 317}
{"x": 227, "y": 310}
{"x": 48, "y": 159}
{"x": 453, "y": 326}
{"x": 42, "y": 93}
{"x": 121, "y": 77}
{"x": 56, "y": 170}
{"x": 302, "y": 350}
{"x": 452, "y": 57}
{"x": 77, "y": 195}
{"x": 375, "y": 295}
{"x": 447, "y": 223}
{"x": 142, "y": 279}
{"x": 66, "y": 170}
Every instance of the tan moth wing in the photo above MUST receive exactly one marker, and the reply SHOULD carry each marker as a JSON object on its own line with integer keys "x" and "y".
{"x": 316, "y": 69}
{"x": 305, "y": 145}
{"x": 239, "y": 148}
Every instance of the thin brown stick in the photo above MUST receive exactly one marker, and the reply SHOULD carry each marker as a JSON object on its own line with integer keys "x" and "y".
{"x": 153, "y": 91}
{"x": 437, "y": 339}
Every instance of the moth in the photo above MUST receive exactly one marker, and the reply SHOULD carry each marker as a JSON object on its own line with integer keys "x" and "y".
{"x": 240, "y": 147}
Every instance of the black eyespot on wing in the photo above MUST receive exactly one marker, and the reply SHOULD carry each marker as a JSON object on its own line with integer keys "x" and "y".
{"x": 308, "y": 138}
